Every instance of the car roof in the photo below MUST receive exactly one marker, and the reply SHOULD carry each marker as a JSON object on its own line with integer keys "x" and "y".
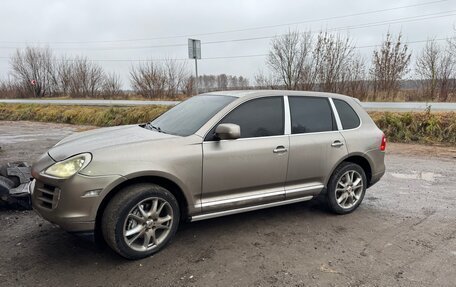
{"x": 260, "y": 93}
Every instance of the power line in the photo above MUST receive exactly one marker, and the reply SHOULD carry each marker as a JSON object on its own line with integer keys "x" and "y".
{"x": 227, "y": 57}
{"x": 365, "y": 25}
{"x": 335, "y": 29}
{"x": 242, "y": 29}
{"x": 408, "y": 42}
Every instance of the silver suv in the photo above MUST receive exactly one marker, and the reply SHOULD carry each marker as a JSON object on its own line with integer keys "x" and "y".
{"x": 212, "y": 155}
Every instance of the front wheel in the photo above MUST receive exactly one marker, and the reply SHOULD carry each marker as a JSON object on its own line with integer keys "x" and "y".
{"x": 140, "y": 220}
{"x": 346, "y": 188}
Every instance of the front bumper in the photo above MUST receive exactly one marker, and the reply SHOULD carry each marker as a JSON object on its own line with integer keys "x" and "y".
{"x": 65, "y": 202}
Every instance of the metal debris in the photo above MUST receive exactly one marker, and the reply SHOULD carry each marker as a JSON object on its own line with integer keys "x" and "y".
{"x": 15, "y": 179}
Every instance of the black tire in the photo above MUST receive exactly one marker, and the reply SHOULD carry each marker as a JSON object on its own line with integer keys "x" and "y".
{"x": 340, "y": 171}
{"x": 114, "y": 219}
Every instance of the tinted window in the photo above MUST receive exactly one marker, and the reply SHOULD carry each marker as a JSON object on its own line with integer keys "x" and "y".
{"x": 347, "y": 115}
{"x": 310, "y": 115}
{"x": 187, "y": 117}
{"x": 257, "y": 118}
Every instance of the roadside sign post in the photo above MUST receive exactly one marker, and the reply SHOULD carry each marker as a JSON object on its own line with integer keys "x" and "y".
{"x": 194, "y": 52}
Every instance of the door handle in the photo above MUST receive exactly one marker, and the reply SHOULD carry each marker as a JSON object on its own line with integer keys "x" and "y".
{"x": 280, "y": 149}
{"x": 337, "y": 143}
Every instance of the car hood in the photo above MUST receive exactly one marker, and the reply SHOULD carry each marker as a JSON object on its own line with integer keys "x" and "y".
{"x": 92, "y": 140}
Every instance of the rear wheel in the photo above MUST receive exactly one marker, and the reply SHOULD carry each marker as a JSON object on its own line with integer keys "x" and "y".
{"x": 140, "y": 220}
{"x": 346, "y": 188}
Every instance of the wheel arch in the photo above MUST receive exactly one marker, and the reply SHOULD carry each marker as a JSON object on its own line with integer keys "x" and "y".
{"x": 358, "y": 158}
{"x": 162, "y": 181}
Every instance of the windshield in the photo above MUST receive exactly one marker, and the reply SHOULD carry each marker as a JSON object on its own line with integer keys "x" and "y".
{"x": 187, "y": 117}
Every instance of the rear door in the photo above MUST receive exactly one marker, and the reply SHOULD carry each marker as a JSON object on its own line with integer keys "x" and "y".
{"x": 252, "y": 169}
{"x": 316, "y": 145}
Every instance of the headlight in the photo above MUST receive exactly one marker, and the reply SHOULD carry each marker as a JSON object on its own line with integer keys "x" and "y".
{"x": 70, "y": 166}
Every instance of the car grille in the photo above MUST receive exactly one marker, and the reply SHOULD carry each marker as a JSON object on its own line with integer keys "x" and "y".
{"x": 48, "y": 195}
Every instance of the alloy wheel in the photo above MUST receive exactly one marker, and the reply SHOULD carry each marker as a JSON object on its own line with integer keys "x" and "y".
{"x": 148, "y": 224}
{"x": 349, "y": 189}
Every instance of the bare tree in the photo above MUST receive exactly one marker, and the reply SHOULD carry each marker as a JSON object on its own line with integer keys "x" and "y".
{"x": 176, "y": 75}
{"x": 112, "y": 86}
{"x": 63, "y": 75}
{"x": 87, "y": 78}
{"x": 427, "y": 65}
{"x": 242, "y": 82}
{"x": 234, "y": 82}
{"x": 265, "y": 81}
{"x": 12, "y": 89}
{"x": 332, "y": 56}
{"x": 33, "y": 65}
{"x": 288, "y": 57}
{"x": 222, "y": 82}
{"x": 148, "y": 80}
{"x": 189, "y": 86}
{"x": 355, "y": 83}
{"x": 446, "y": 76}
{"x": 389, "y": 65}
{"x": 436, "y": 68}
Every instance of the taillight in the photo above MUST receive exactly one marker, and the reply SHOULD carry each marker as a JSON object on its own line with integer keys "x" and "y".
{"x": 383, "y": 144}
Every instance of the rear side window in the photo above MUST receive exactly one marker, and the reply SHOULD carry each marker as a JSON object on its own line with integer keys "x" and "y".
{"x": 347, "y": 115}
{"x": 310, "y": 115}
{"x": 257, "y": 118}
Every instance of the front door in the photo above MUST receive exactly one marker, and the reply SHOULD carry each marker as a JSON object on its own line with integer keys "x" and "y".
{"x": 252, "y": 169}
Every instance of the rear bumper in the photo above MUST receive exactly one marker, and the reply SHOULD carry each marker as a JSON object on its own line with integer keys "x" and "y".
{"x": 376, "y": 177}
{"x": 376, "y": 160}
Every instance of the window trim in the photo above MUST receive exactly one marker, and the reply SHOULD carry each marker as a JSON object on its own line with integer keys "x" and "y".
{"x": 335, "y": 115}
{"x": 356, "y": 113}
{"x": 285, "y": 112}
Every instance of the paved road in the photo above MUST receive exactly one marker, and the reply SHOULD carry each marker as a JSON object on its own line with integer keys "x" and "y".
{"x": 405, "y": 106}
{"x": 404, "y": 234}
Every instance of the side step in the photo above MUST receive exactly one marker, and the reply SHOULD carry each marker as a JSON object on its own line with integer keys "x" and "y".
{"x": 248, "y": 208}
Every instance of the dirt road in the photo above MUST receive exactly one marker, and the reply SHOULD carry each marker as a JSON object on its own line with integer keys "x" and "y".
{"x": 404, "y": 234}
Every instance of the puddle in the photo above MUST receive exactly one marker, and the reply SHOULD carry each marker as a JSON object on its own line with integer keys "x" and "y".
{"x": 426, "y": 176}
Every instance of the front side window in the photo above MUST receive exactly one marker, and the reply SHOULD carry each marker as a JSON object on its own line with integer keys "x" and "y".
{"x": 189, "y": 116}
{"x": 347, "y": 115}
{"x": 310, "y": 115}
{"x": 257, "y": 118}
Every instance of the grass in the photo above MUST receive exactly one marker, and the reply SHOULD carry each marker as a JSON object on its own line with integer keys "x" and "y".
{"x": 410, "y": 127}
{"x": 418, "y": 127}
{"x": 80, "y": 115}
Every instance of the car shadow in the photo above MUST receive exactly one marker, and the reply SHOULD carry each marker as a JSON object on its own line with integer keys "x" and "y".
{"x": 71, "y": 248}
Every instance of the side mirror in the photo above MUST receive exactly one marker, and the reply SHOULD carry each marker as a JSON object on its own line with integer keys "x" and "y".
{"x": 228, "y": 131}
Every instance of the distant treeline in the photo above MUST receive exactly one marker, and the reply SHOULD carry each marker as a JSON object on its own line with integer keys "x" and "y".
{"x": 37, "y": 73}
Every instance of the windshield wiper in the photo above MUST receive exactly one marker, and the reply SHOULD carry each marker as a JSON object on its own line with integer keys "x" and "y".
{"x": 152, "y": 127}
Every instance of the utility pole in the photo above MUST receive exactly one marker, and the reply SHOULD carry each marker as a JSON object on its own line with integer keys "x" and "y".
{"x": 197, "y": 79}
{"x": 194, "y": 52}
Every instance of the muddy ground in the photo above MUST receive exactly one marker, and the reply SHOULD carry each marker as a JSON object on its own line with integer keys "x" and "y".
{"x": 404, "y": 234}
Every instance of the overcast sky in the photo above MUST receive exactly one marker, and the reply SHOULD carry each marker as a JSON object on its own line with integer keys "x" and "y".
{"x": 102, "y": 30}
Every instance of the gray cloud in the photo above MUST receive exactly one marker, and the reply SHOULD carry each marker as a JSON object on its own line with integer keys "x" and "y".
{"x": 48, "y": 22}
